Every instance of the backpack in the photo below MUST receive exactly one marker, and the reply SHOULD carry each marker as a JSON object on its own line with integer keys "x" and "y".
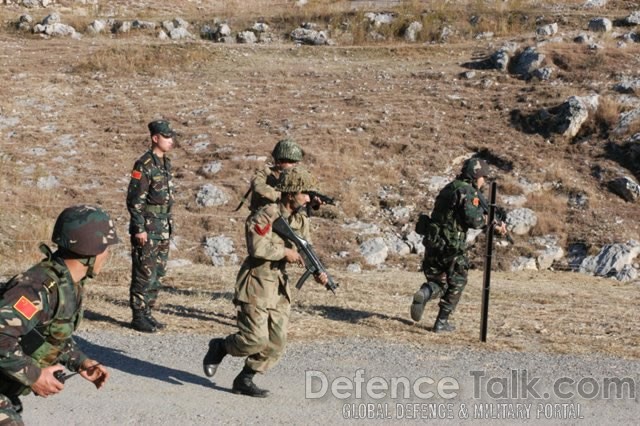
{"x": 422, "y": 224}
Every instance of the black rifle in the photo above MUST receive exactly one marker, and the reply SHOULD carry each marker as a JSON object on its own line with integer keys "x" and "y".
{"x": 324, "y": 199}
{"x": 245, "y": 198}
{"x": 311, "y": 261}
{"x": 500, "y": 214}
{"x": 62, "y": 376}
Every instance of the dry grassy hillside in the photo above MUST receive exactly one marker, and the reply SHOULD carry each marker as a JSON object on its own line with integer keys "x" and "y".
{"x": 371, "y": 116}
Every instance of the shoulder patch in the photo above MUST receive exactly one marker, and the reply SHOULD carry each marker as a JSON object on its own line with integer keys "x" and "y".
{"x": 476, "y": 201}
{"x": 136, "y": 174}
{"x": 262, "y": 231}
{"x": 25, "y": 307}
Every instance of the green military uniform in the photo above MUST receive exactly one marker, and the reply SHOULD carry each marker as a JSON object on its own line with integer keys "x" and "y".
{"x": 39, "y": 311}
{"x": 42, "y": 307}
{"x": 149, "y": 201}
{"x": 457, "y": 208}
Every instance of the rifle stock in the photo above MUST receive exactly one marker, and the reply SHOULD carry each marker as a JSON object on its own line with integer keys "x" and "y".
{"x": 311, "y": 262}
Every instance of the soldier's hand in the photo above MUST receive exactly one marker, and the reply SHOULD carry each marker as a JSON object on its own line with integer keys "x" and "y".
{"x": 47, "y": 384}
{"x": 321, "y": 278}
{"x": 141, "y": 238}
{"x": 94, "y": 372}
{"x": 501, "y": 228}
{"x": 292, "y": 256}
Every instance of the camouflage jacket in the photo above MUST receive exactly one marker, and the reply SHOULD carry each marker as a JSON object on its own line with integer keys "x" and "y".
{"x": 457, "y": 208}
{"x": 39, "y": 311}
{"x": 150, "y": 197}
{"x": 262, "y": 187}
{"x": 262, "y": 274}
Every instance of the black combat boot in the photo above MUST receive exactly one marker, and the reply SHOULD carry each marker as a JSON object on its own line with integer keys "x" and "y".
{"x": 243, "y": 384}
{"x": 420, "y": 299}
{"x": 442, "y": 322}
{"x": 157, "y": 324}
{"x": 141, "y": 323}
{"x": 214, "y": 356}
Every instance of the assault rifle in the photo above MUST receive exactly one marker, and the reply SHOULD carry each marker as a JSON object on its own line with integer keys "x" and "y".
{"x": 311, "y": 261}
{"x": 500, "y": 214}
{"x": 324, "y": 199}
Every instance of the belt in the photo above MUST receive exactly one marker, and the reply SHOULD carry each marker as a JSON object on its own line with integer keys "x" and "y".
{"x": 157, "y": 209}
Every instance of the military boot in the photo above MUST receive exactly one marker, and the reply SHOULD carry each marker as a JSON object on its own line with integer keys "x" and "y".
{"x": 243, "y": 384}
{"x": 157, "y": 324}
{"x": 442, "y": 323}
{"x": 141, "y": 323}
{"x": 420, "y": 299}
{"x": 214, "y": 356}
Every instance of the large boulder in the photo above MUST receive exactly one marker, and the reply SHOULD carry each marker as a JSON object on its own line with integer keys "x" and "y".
{"x": 520, "y": 221}
{"x": 625, "y": 187}
{"x": 374, "y": 251}
{"x": 611, "y": 260}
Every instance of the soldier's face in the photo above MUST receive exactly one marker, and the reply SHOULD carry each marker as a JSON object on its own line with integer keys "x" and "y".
{"x": 480, "y": 182}
{"x": 284, "y": 165}
{"x": 101, "y": 260}
{"x": 162, "y": 144}
{"x": 299, "y": 200}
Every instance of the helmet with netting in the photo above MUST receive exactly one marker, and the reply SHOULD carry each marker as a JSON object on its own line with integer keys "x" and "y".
{"x": 296, "y": 179}
{"x": 287, "y": 150}
{"x": 475, "y": 168}
{"x": 84, "y": 230}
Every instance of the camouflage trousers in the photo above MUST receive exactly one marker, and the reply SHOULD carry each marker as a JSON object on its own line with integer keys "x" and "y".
{"x": 262, "y": 334}
{"x": 148, "y": 266}
{"x": 9, "y": 413}
{"x": 447, "y": 277}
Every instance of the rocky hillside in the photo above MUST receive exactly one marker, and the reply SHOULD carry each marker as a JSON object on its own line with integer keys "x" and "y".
{"x": 387, "y": 99}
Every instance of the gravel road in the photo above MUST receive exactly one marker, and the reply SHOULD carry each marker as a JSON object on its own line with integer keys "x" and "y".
{"x": 157, "y": 380}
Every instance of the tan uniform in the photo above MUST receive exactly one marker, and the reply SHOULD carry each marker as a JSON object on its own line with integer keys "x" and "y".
{"x": 263, "y": 294}
{"x": 262, "y": 187}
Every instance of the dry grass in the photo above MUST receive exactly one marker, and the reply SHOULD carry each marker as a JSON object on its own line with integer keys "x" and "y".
{"x": 528, "y": 312}
{"x": 370, "y": 117}
{"x": 551, "y": 210}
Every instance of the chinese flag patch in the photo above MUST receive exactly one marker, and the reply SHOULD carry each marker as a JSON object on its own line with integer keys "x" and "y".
{"x": 263, "y": 231}
{"x": 476, "y": 202}
{"x": 136, "y": 174}
{"x": 25, "y": 307}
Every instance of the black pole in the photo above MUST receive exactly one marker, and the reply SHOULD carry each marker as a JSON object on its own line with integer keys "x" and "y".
{"x": 486, "y": 282}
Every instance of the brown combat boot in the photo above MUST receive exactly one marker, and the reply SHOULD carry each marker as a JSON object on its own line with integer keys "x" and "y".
{"x": 243, "y": 384}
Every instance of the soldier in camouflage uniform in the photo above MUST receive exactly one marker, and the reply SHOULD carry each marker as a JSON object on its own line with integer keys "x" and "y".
{"x": 457, "y": 208}
{"x": 149, "y": 201}
{"x": 286, "y": 154}
{"x": 42, "y": 307}
{"x": 263, "y": 294}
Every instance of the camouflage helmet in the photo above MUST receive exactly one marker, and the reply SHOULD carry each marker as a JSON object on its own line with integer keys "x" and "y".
{"x": 296, "y": 179}
{"x": 84, "y": 230}
{"x": 287, "y": 150}
{"x": 475, "y": 168}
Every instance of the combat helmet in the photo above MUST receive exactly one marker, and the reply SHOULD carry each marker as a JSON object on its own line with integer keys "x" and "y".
{"x": 474, "y": 168}
{"x": 84, "y": 230}
{"x": 287, "y": 150}
{"x": 296, "y": 179}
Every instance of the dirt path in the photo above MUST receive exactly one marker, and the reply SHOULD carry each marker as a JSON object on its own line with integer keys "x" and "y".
{"x": 158, "y": 380}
